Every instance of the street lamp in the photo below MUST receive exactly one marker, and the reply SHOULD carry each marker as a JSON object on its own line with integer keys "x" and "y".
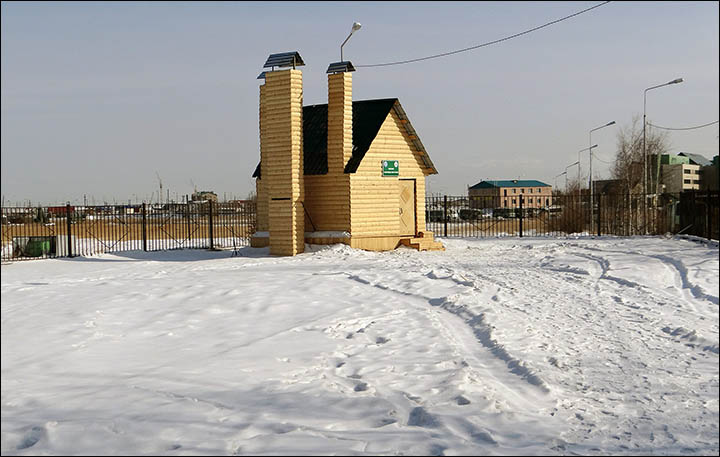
{"x": 566, "y": 169}
{"x": 556, "y": 177}
{"x": 355, "y": 27}
{"x": 645, "y": 158}
{"x": 578, "y": 164}
{"x": 590, "y": 183}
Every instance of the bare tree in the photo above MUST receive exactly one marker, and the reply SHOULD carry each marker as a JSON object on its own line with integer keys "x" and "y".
{"x": 629, "y": 160}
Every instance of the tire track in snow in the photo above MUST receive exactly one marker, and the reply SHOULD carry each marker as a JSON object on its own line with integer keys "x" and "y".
{"x": 690, "y": 337}
{"x": 697, "y": 291}
{"x": 477, "y": 323}
{"x": 676, "y": 265}
{"x": 483, "y": 333}
{"x": 605, "y": 265}
{"x": 612, "y": 362}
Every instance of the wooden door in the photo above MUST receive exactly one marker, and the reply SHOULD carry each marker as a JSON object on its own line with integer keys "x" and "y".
{"x": 407, "y": 207}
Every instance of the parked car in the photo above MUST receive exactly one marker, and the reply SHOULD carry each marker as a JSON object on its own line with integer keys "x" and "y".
{"x": 434, "y": 215}
{"x": 470, "y": 214}
{"x": 437, "y": 215}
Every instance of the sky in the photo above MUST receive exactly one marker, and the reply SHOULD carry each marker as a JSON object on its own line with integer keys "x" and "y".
{"x": 99, "y": 99}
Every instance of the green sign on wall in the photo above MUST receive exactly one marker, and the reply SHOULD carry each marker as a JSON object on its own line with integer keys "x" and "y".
{"x": 390, "y": 168}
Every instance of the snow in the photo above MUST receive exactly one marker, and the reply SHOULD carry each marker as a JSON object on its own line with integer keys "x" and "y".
{"x": 327, "y": 234}
{"x": 515, "y": 346}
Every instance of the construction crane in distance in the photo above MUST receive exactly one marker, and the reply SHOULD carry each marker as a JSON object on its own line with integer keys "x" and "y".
{"x": 160, "y": 182}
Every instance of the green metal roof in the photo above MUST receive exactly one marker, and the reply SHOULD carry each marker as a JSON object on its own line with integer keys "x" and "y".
{"x": 696, "y": 159}
{"x": 509, "y": 183}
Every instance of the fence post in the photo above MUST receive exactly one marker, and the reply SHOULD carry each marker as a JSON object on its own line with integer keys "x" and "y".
{"x": 144, "y": 227}
{"x": 521, "y": 215}
{"x": 210, "y": 216}
{"x": 187, "y": 213}
{"x": 599, "y": 203}
{"x": 445, "y": 217}
{"x": 69, "y": 229}
{"x": 708, "y": 217}
{"x": 694, "y": 214}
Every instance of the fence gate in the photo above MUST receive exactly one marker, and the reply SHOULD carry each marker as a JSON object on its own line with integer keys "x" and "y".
{"x": 625, "y": 214}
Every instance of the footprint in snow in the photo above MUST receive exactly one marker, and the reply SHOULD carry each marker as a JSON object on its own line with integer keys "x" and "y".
{"x": 483, "y": 436}
{"x": 385, "y": 421}
{"x": 419, "y": 417}
{"x": 35, "y": 434}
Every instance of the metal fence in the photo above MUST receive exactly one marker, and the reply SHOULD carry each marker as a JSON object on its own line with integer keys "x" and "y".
{"x": 67, "y": 231}
{"x": 694, "y": 213}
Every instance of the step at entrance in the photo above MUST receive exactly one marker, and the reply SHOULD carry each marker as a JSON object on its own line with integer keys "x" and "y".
{"x": 423, "y": 242}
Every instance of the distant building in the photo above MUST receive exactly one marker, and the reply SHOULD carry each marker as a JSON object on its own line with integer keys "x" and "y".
{"x": 680, "y": 177}
{"x": 204, "y": 195}
{"x": 507, "y": 193}
{"x": 681, "y": 172}
{"x": 695, "y": 159}
{"x": 710, "y": 176}
{"x": 608, "y": 186}
{"x": 667, "y": 159}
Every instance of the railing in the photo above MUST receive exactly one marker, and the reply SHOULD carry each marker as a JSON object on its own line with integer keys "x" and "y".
{"x": 67, "y": 231}
{"x": 694, "y": 212}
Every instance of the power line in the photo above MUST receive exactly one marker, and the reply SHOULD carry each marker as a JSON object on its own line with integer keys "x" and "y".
{"x": 601, "y": 160}
{"x": 682, "y": 128}
{"x": 485, "y": 44}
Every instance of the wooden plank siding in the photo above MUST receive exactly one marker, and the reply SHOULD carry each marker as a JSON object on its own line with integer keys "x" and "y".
{"x": 260, "y": 187}
{"x": 327, "y": 197}
{"x": 282, "y": 160}
{"x": 262, "y": 205}
{"x": 375, "y": 199}
{"x": 327, "y": 200}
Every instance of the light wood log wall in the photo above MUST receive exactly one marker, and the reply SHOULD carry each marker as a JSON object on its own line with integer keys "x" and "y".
{"x": 282, "y": 160}
{"x": 327, "y": 200}
{"x": 260, "y": 187}
{"x": 327, "y": 197}
{"x": 339, "y": 121}
{"x": 374, "y": 198}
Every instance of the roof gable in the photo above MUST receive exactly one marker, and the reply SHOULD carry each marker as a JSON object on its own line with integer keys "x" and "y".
{"x": 368, "y": 117}
{"x": 696, "y": 159}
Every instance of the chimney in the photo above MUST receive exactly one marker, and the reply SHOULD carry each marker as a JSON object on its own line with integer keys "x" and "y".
{"x": 340, "y": 138}
{"x": 281, "y": 154}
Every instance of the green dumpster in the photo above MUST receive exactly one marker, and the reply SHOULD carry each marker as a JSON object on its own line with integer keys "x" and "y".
{"x": 37, "y": 246}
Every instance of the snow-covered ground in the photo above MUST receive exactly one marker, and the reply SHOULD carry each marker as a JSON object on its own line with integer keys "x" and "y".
{"x": 495, "y": 346}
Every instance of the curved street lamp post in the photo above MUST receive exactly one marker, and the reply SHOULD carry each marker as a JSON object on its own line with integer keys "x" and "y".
{"x": 355, "y": 27}
{"x": 590, "y": 183}
{"x": 645, "y": 157}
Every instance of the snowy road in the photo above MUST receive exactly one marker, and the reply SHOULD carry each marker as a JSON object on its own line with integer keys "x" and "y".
{"x": 496, "y": 346}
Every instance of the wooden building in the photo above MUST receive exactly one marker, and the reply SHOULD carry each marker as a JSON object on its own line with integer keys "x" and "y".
{"x": 345, "y": 172}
